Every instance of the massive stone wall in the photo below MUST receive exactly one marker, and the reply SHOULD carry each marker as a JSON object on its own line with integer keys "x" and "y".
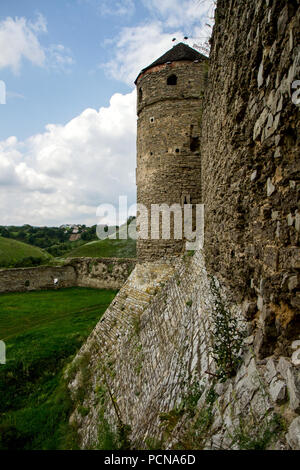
{"x": 99, "y": 273}
{"x": 168, "y": 139}
{"x": 149, "y": 365}
{"x": 250, "y": 164}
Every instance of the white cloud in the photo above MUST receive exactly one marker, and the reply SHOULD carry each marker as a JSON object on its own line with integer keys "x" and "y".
{"x": 40, "y": 25}
{"x": 138, "y": 46}
{"x": 14, "y": 95}
{"x": 180, "y": 13}
{"x": 59, "y": 57}
{"x": 64, "y": 173}
{"x": 112, "y": 7}
{"x": 117, "y": 7}
{"x": 19, "y": 40}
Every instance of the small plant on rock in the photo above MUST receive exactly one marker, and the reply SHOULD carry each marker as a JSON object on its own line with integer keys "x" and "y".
{"x": 228, "y": 337}
{"x": 252, "y": 434}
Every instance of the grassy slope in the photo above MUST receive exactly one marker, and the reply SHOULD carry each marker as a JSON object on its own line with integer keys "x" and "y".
{"x": 12, "y": 251}
{"x": 106, "y": 248}
{"x": 42, "y": 331}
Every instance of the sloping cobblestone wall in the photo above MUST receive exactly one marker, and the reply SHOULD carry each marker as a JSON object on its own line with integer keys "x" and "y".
{"x": 149, "y": 363}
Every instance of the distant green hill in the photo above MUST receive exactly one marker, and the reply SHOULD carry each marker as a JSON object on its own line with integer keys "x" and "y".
{"x": 106, "y": 249}
{"x": 15, "y": 254}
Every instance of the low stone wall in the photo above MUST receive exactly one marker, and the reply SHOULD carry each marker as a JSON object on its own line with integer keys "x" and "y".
{"x": 41, "y": 277}
{"x": 99, "y": 273}
{"x": 102, "y": 273}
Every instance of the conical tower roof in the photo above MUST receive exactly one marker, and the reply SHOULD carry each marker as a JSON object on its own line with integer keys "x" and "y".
{"x": 179, "y": 52}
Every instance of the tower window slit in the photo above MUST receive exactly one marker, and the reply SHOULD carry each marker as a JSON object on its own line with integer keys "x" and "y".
{"x": 172, "y": 80}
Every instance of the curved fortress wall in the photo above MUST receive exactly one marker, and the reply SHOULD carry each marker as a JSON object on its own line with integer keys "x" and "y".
{"x": 250, "y": 167}
{"x": 168, "y": 140}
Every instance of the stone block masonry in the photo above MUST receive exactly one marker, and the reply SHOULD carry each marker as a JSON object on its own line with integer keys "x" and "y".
{"x": 152, "y": 351}
{"x": 250, "y": 164}
{"x": 38, "y": 278}
{"x": 102, "y": 273}
{"x": 149, "y": 363}
{"x": 168, "y": 142}
{"x": 99, "y": 273}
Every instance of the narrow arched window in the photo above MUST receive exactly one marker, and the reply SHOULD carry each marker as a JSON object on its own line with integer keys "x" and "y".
{"x": 140, "y": 94}
{"x": 185, "y": 199}
{"x": 172, "y": 80}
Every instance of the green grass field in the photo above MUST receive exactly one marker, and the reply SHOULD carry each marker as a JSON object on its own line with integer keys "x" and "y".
{"x": 13, "y": 252}
{"x": 106, "y": 249}
{"x": 42, "y": 331}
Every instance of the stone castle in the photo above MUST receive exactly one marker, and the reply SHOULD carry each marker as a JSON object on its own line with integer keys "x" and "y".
{"x": 225, "y": 133}
{"x": 170, "y": 94}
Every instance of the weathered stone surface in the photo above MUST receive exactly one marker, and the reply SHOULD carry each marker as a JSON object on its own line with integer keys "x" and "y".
{"x": 168, "y": 140}
{"x": 41, "y": 277}
{"x": 293, "y": 384}
{"x": 260, "y": 404}
{"x": 159, "y": 337}
{"x": 100, "y": 273}
{"x": 251, "y": 232}
{"x": 296, "y": 357}
{"x": 270, "y": 371}
{"x": 217, "y": 442}
{"x": 292, "y": 283}
{"x": 270, "y": 187}
{"x": 153, "y": 360}
{"x": 295, "y": 344}
{"x": 293, "y": 435}
{"x": 277, "y": 390}
{"x": 283, "y": 366}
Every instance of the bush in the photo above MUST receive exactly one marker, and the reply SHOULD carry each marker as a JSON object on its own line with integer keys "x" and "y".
{"x": 227, "y": 337}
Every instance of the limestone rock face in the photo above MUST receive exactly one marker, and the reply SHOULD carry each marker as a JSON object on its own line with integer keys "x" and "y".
{"x": 293, "y": 383}
{"x": 293, "y": 436}
{"x": 277, "y": 390}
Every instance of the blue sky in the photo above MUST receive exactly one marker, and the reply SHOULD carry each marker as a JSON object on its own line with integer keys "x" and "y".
{"x": 68, "y": 128}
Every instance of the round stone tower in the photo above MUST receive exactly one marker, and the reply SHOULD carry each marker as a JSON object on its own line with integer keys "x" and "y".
{"x": 169, "y": 103}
